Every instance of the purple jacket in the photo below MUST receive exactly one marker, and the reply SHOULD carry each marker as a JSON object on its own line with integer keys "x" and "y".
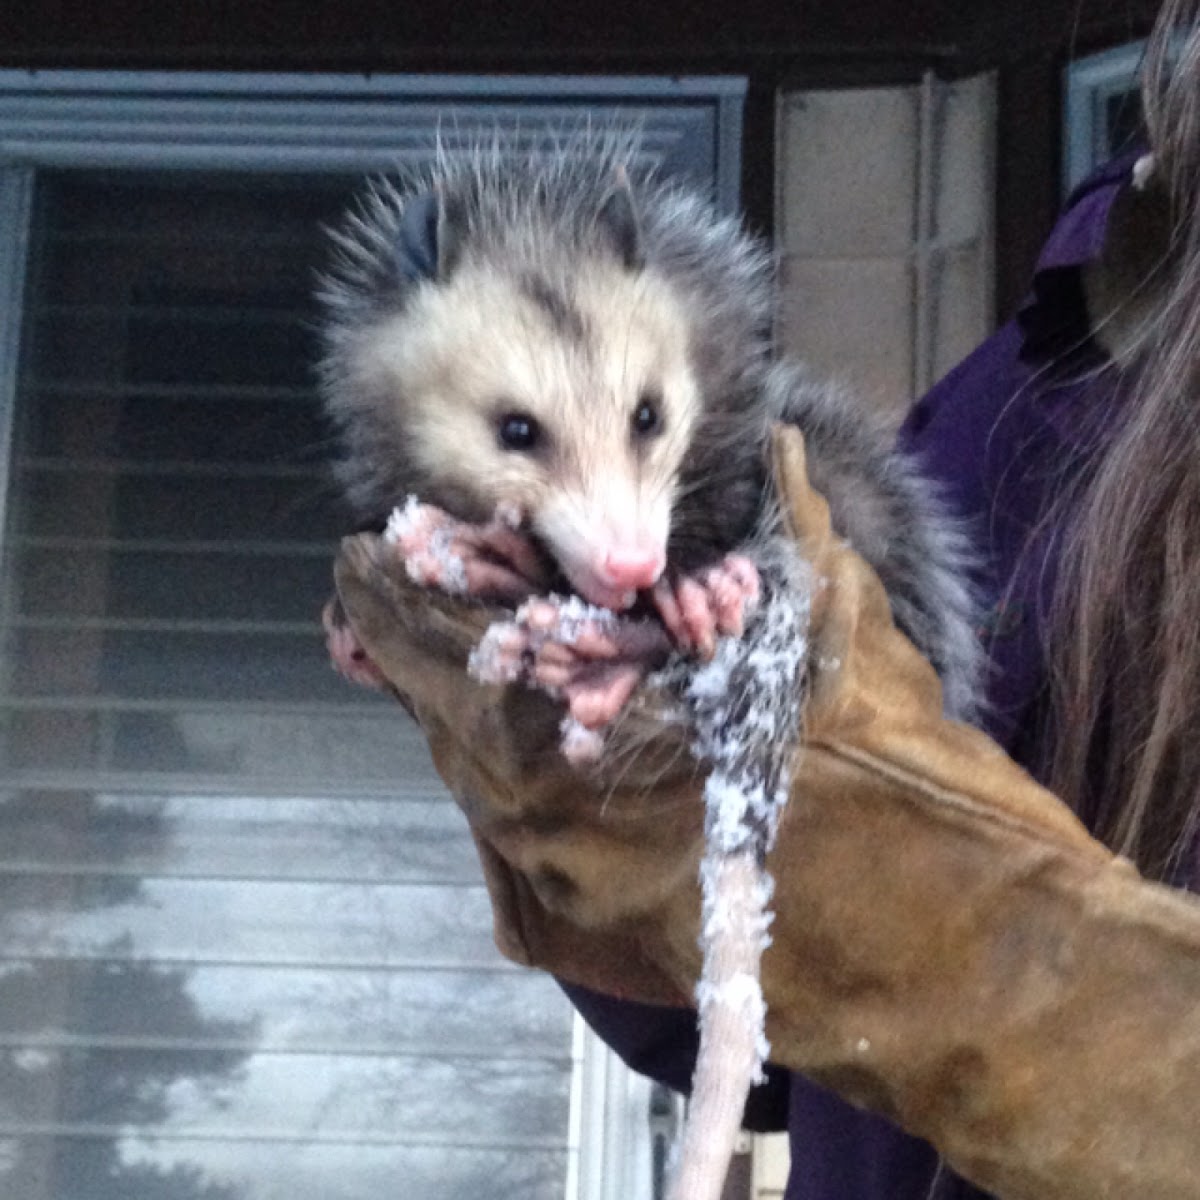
{"x": 999, "y": 432}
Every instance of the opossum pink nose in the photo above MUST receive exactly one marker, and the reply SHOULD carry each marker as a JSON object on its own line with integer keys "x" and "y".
{"x": 632, "y": 567}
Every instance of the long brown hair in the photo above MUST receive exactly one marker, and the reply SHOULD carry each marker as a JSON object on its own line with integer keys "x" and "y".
{"x": 1127, "y": 622}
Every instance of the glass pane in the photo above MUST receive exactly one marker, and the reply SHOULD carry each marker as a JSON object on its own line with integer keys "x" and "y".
{"x": 172, "y": 584}
{"x": 343, "y": 1010}
{"x": 146, "y": 426}
{"x": 245, "y": 950}
{"x": 88, "y": 501}
{"x": 98, "y": 1167}
{"x": 349, "y": 747}
{"x": 237, "y": 837}
{"x": 361, "y": 1096}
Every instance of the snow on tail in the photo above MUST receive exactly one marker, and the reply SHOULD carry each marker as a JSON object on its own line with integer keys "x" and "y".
{"x": 746, "y": 705}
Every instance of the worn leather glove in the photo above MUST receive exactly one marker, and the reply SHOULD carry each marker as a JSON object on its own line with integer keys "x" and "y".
{"x": 581, "y": 869}
{"x": 950, "y": 947}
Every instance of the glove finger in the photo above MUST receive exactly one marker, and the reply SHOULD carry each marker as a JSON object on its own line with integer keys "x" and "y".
{"x": 805, "y": 512}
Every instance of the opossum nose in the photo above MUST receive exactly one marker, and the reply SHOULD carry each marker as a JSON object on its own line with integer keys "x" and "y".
{"x": 632, "y": 567}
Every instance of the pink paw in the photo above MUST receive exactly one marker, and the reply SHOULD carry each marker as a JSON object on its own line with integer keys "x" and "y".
{"x": 493, "y": 561}
{"x": 346, "y": 652}
{"x": 591, "y": 658}
{"x": 697, "y": 609}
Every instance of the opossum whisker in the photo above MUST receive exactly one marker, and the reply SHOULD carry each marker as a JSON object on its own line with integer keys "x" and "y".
{"x": 625, "y": 752}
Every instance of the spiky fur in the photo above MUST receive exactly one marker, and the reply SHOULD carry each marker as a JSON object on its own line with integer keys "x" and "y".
{"x": 541, "y": 301}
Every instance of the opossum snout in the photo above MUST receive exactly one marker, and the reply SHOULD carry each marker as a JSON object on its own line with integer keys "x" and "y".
{"x": 631, "y": 567}
{"x": 609, "y": 545}
{"x": 612, "y": 575}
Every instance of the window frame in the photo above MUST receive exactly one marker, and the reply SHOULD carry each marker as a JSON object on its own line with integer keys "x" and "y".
{"x": 1088, "y": 86}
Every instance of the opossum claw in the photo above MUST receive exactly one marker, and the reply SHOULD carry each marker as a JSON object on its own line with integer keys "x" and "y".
{"x": 506, "y": 544}
{"x": 599, "y": 640}
{"x": 698, "y": 610}
{"x": 596, "y": 701}
{"x": 598, "y": 666}
{"x": 596, "y": 661}
{"x": 590, "y": 658}
{"x": 492, "y": 561}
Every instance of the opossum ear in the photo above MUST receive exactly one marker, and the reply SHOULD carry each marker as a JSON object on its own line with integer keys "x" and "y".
{"x": 619, "y": 219}
{"x": 451, "y": 229}
{"x": 427, "y": 240}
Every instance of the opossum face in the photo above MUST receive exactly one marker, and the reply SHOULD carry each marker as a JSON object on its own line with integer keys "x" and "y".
{"x": 569, "y": 397}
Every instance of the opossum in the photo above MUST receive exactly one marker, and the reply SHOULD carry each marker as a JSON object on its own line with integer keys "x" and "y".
{"x": 568, "y": 361}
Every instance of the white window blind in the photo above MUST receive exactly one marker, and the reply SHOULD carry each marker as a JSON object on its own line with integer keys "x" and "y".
{"x": 244, "y": 949}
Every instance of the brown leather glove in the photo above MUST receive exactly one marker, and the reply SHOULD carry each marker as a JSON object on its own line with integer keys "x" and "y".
{"x": 951, "y": 948}
{"x": 563, "y": 852}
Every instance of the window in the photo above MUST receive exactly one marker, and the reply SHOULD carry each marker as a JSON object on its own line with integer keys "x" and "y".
{"x": 1102, "y": 112}
{"x": 245, "y": 951}
{"x": 887, "y": 277}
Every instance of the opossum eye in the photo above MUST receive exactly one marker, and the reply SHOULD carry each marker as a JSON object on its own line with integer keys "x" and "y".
{"x": 518, "y": 431}
{"x": 647, "y": 417}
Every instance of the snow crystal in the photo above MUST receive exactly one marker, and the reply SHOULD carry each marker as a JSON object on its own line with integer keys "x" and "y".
{"x": 403, "y": 520}
{"x": 434, "y": 560}
{"x": 741, "y": 994}
{"x": 746, "y": 706}
{"x": 507, "y": 650}
{"x": 499, "y": 656}
{"x": 579, "y": 744}
{"x": 569, "y": 616}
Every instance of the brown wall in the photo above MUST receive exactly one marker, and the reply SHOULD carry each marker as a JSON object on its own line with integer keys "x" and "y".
{"x": 392, "y": 34}
{"x": 573, "y": 34}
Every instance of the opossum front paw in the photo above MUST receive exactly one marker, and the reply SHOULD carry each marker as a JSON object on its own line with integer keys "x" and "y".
{"x": 346, "y": 652}
{"x": 493, "y": 561}
{"x": 716, "y": 602}
{"x": 590, "y": 657}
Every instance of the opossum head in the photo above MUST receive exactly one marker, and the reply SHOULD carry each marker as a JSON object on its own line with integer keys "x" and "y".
{"x": 547, "y": 340}
{"x": 572, "y": 402}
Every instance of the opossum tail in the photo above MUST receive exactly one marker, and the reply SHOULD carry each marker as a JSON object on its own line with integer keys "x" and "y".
{"x": 746, "y": 708}
{"x": 732, "y": 1015}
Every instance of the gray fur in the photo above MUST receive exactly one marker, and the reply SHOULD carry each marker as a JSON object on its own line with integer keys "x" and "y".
{"x": 891, "y": 514}
{"x": 545, "y": 217}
